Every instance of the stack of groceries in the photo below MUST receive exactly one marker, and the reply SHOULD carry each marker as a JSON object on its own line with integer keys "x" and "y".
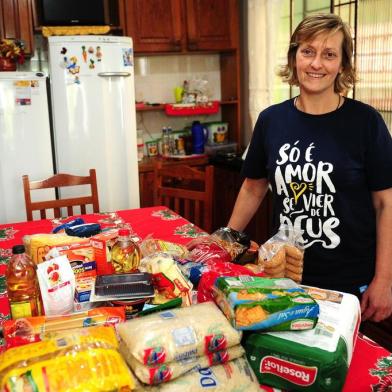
{"x": 220, "y": 314}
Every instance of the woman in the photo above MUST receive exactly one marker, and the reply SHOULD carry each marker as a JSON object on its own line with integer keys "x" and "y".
{"x": 328, "y": 160}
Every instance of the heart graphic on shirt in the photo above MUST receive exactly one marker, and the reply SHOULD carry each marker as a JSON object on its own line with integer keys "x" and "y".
{"x": 298, "y": 189}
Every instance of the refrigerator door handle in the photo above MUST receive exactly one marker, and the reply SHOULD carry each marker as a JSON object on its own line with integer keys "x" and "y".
{"x": 114, "y": 74}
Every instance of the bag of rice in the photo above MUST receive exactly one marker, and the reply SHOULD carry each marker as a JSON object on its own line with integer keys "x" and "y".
{"x": 178, "y": 334}
{"x": 164, "y": 372}
{"x": 233, "y": 376}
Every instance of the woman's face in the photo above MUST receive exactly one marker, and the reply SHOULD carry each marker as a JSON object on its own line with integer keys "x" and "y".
{"x": 318, "y": 62}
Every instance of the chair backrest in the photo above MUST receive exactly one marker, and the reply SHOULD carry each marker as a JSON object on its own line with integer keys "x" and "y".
{"x": 187, "y": 191}
{"x": 59, "y": 181}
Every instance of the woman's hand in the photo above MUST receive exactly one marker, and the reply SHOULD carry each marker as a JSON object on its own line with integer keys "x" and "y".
{"x": 376, "y": 304}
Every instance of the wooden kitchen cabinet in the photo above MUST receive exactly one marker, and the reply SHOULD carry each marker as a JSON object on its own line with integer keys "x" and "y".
{"x": 181, "y": 25}
{"x": 212, "y": 24}
{"x": 16, "y": 22}
{"x": 154, "y": 25}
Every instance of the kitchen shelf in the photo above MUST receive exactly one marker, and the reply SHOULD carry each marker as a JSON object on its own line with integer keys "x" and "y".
{"x": 142, "y": 107}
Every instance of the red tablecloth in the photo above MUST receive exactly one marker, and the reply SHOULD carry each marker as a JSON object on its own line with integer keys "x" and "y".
{"x": 371, "y": 366}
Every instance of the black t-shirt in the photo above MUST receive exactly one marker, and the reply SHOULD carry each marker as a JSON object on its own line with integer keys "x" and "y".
{"x": 322, "y": 170}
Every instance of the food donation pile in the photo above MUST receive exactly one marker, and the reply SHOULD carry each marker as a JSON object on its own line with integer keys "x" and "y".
{"x": 220, "y": 314}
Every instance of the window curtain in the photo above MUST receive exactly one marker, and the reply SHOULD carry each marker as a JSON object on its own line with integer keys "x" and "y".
{"x": 263, "y": 25}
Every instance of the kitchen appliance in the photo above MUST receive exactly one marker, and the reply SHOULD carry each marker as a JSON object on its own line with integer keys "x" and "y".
{"x": 93, "y": 105}
{"x": 72, "y": 12}
{"x": 25, "y": 141}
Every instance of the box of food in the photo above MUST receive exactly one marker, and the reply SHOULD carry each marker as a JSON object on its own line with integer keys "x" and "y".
{"x": 263, "y": 304}
{"x": 102, "y": 244}
{"x": 314, "y": 360}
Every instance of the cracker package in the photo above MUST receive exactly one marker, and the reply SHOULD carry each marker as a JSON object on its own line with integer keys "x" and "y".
{"x": 283, "y": 254}
{"x": 265, "y": 304}
{"x": 314, "y": 360}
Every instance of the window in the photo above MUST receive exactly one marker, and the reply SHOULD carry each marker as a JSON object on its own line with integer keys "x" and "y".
{"x": 371, "y": 24}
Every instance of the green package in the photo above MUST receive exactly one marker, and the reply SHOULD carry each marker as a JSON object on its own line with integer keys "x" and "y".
{"x": 265, "y": 304}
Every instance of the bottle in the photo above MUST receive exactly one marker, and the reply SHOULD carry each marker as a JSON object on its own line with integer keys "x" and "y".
{"x": 172, "y": 145}
{"x": 125, "y": 253}
{"x": 199, "y": 137}
{"x": 165, "y": 142}
{"x": 22, "y": 284}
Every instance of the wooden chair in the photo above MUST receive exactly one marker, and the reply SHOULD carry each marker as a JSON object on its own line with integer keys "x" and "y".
{"x": 187, "y": 191}
{"x": 59, "y": 181}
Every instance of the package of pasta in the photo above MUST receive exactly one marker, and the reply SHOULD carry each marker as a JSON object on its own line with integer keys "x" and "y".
{"x": 178, "y": 334}
{"x": 160, "y": 373}
{"x": 233, "y": 376}
{"x": 150, "y": 246}
{"x": 265, "y": 304}
{"x": 81, "y": 360}
{"x": 35, "y": 329}
{"x": 283, "y": 254}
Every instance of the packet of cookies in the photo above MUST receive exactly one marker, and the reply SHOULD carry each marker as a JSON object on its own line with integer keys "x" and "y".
{"x": 283, "y": 254}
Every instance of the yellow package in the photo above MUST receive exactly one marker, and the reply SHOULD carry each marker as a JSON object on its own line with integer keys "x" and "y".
{"x": 168, "y": 279}
{"x": 38, "y": 245}
{"x": 80, "y": 360}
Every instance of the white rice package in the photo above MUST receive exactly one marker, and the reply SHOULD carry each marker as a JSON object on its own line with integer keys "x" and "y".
{"x": 234, "y": 376}
{"x": 178, "y": 334}
{"x": 165, "y": 372}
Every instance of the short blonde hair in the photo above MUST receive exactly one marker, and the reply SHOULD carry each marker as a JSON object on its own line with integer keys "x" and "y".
{"x": 308, "y": 29}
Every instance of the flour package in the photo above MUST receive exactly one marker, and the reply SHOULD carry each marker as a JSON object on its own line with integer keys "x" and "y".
{"x": 313, "y": 360}
{"x": 178, "y": 334}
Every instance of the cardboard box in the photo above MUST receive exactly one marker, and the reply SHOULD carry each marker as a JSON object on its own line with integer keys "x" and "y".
{"x": 102, "y": 244}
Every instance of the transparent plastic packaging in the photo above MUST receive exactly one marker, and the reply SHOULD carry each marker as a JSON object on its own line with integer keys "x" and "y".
{"x": 283, "y": 254}
{"x": 79, "y": 360}
{"x": 125, "y": 254}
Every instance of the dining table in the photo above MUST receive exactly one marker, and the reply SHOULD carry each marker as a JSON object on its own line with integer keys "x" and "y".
{"x": 371, "y": 366}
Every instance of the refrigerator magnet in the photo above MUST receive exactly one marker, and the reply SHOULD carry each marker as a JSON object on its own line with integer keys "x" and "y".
{"x": 91, "y": 65}
{"x": 72, "y": 67}
{"x": 77, "y": 80}
{"x": 98, "y": 53}
{"x": 127, "y": 57}
{"x": 63, "y": 50}
{"x": 91, "y": 50}
{"x": 84, "y": 54}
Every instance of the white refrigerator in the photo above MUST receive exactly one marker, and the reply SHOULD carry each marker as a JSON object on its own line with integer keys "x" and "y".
{"x": 25, "y": 141}
{"x": 94, "y": 117}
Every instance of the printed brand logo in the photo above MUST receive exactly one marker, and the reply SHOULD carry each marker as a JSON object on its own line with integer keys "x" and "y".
{"x": 215, "y": 342}
{"x": 290, "y": 371}
{"x": 301, "y": 324}
{"x": 154, "y": 355}
{"x": 303, "y": 300}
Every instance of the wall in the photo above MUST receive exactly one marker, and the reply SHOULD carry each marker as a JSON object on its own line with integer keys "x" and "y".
{"x": 155, "y": 79}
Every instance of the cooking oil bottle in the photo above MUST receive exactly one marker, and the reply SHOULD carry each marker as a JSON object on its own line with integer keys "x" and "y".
{"x": 125, "y": 253}
{"x": 22, "y": 284}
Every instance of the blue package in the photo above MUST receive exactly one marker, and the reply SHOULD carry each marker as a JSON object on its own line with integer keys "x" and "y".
{"x": 85, "y": 230}
{"x": 74, "y": 222}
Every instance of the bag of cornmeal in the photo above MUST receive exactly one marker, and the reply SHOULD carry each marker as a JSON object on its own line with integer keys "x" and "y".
{"x": 314, "y": 360}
